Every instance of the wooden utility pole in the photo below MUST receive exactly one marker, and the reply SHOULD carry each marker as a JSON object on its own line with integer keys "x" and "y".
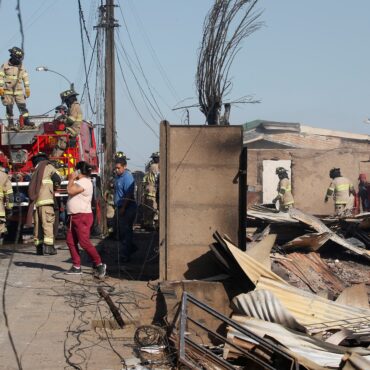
{"x": 108, "y": 22}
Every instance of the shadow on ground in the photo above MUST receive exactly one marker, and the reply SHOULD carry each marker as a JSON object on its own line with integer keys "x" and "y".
{"x": 144, "y": 263}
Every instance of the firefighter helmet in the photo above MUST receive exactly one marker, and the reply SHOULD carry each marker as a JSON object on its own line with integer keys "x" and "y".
{"x": 120, "y": 155}
{"x": 334, "y": 172}
{"x": 16, "y": 53}
{"x": 40, "y": 156}
{"x": 67, "y": 94}
{"x": 155, "y": 155}
{"x": 281, "y": 171}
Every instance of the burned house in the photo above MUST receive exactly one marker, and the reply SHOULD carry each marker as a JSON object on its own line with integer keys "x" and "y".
{"x": 308, "y": 153}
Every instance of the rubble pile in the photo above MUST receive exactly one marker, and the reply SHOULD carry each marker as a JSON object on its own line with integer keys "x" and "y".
{"x": 299, "y": 299}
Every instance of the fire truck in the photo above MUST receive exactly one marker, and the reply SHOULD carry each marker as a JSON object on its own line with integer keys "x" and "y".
{"x": 18, "y": 147}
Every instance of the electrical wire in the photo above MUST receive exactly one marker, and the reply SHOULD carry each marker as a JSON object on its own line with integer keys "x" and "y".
{"x": 82, "y": 18}
{"x": 138, "y": 61}
{"x": 146, "y": 100}
{"x": 152, "y": 51}
{"x": 84, "y": 62}
{"x": 132, "y": 100}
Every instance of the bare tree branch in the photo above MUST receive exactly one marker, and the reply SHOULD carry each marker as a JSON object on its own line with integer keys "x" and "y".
{"x": 227, "y": 24}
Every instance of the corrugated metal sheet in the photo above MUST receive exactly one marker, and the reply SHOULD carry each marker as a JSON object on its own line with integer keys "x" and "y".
{"x": 251, "y": 267}
{"x": 313, "y": 271}
{"x": 314, "y": 312}
{"x": 262, "y": 304}
{"x": 303, "y": 345}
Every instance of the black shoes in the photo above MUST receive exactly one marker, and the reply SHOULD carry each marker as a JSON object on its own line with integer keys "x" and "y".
{"x": 40, "y": 250}
{"x": 100, "y": 271}
{"x": 74, "y": 271}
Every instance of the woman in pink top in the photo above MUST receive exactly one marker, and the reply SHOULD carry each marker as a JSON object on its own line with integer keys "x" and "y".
{"x": 80, "y": 191}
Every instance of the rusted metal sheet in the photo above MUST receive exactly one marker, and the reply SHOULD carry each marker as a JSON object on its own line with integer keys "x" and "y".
{"x": 320, "y": 227}
{"x": 313, "y": 271}
{"x": 311, "y": 241}
{"x": 301, "y": 345}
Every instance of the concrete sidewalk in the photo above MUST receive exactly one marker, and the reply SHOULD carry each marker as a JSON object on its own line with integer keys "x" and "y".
{"x": 50, "y": 320}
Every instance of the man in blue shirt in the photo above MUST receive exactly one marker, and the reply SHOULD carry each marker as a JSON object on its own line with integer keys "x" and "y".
{"x": 125, "y": 205}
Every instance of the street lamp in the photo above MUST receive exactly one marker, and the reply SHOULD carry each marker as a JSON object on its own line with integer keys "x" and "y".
{"x": 46, "y": 69}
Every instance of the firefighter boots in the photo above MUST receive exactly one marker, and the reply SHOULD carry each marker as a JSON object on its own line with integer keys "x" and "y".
{"x": 50, "y": 249}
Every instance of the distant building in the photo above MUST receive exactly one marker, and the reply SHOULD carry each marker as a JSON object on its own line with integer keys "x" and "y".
{"x": 308, "y": 153}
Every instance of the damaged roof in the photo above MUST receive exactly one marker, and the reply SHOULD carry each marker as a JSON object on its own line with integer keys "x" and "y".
{"x": 271, "y": 134}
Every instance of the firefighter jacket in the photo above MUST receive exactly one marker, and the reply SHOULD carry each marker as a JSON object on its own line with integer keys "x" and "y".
{"x": 74, "y": 116}
{"x": 340, "y": 188}
{"x": 12, "y": 77}
{"x": 6, "y": 193}
{"x": 150, "y": 180}
{"x": 46, "y": 194}
{"x": 285, "y": 192}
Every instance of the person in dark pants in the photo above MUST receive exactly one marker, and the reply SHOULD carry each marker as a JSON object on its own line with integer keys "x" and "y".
{"x": 80, "y": 191}
{"x": 125, "y": 207}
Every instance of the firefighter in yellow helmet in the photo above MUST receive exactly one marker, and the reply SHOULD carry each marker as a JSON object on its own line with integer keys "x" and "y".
{"x": 284, "y": 190}
{"x": 13, "y": 77}
{"x": 41, "y": 194}
{"x": 150, "y": 188}
{"x": 73, "y": 117}
{"x": 6, "y": 199}
{"x": 341, "y": 189}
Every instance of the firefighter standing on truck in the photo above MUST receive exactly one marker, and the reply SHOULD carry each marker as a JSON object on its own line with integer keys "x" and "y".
{"x": 41, "y": 194}
{"x": 12, "y": 78}
{"x": 150, "y": 209}
{"x": 340, "y": 188}
{"x": 284, "y": 190}
{"x": 72, "y": 118}
{"x": 6, "y": 196}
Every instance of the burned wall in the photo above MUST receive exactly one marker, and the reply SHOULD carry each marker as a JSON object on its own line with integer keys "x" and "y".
{"x": 310, "y": 173}
{"x": 199, "y": 170}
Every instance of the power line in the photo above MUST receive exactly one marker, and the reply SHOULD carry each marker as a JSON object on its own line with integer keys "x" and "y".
{"x": 153, "y": 52}
{"x": 84, "y": 60}
{"x": 82, "y": 18}
{"x": 142, "y": 92}
{"x": 132, "y": 100}
{"x": 138, "y": 60}
{"x": 18, "y": 9}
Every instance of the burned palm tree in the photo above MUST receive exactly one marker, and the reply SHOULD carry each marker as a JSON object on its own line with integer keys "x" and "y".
{"x": 225, "y": 27}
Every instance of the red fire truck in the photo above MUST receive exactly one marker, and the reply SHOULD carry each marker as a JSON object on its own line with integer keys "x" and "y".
{"x": 18, "y": 147}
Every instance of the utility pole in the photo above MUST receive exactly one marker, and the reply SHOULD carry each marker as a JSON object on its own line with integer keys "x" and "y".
{"x": 108, "y": 22}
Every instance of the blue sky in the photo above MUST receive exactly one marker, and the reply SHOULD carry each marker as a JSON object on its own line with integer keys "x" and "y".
{"x": 308, "y": 64}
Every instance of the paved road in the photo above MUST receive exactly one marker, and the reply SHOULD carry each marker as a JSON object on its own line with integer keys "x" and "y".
{"x": 50, "y": 320}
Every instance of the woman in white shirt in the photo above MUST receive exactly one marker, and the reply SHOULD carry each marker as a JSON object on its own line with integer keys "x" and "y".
{"x": 80, "y": 191}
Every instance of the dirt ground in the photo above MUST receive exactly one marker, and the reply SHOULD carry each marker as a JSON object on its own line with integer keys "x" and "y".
{"x": 50, "y": 320}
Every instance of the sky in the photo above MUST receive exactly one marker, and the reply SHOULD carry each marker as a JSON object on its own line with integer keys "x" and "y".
{"x": 309, "y": 63}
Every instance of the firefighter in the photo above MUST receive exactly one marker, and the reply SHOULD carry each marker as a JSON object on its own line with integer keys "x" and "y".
{"x": 12, "y": 75}
{"x": 150, "y": 209}
{"x": 363, "y": 193}
{"x": 41, "y": 194}
{"x": 340, "y": 188}
{"x": 7, "y": 197}
{"x": 120, "y": 155}
{"x": 284, "y": 190}
{"x": 109, "y": 200}
{"x": 73, "y": 117}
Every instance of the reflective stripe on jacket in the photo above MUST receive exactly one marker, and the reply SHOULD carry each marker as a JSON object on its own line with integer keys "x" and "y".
{"x": 46, "y": 195}
{"x": 341, "y": 189}
{"x": 285, "y": 192}
{"x": 12, "y": 77}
